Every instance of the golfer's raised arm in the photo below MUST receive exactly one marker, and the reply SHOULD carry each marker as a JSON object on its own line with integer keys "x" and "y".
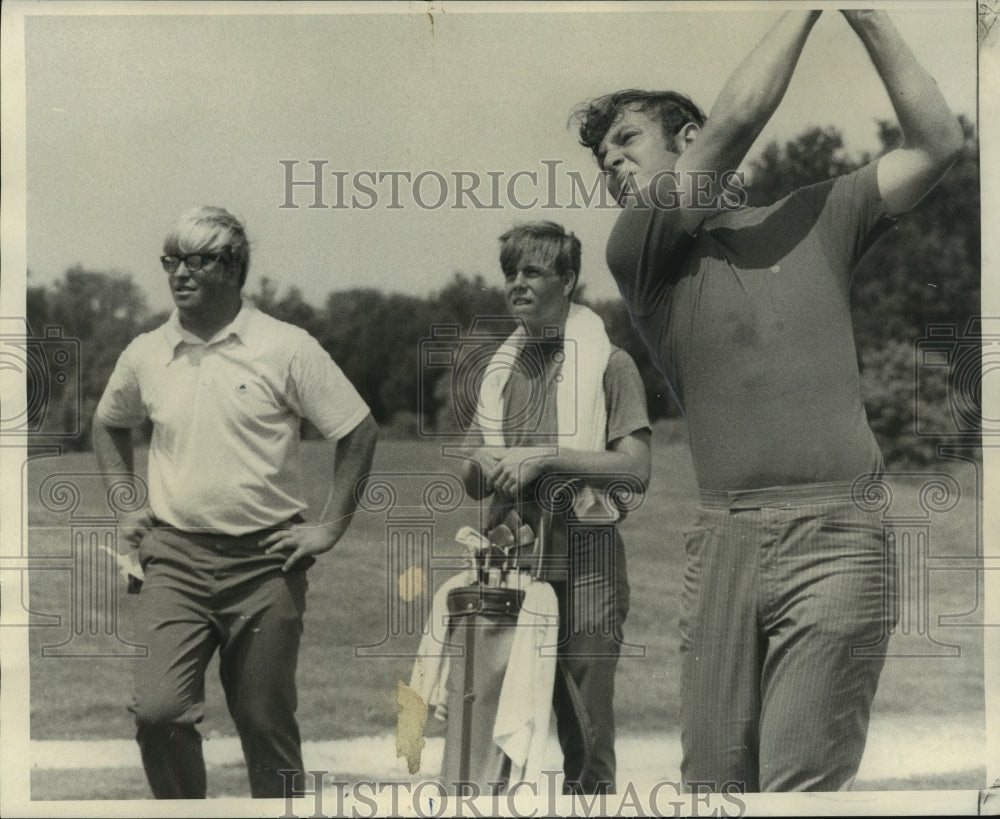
{"x": 932, "y": 135}
{"x": 749, "y": 97}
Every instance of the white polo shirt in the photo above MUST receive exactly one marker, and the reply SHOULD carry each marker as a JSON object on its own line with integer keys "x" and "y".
{"x": 226, "y": 415}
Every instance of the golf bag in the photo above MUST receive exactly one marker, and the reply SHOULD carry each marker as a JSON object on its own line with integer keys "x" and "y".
{"x": 483, "y": 623}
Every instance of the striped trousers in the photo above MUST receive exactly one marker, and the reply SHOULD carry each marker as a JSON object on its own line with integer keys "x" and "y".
{"x": 783, "y": 589}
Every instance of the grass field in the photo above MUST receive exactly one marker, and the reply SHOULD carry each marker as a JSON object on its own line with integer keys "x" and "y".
{"x": 229, "y": 781}
{"x": 343, "y": 695}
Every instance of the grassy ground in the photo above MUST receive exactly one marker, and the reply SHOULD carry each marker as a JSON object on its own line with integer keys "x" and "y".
{"x": 342, "y": 694}
{"x": 126, "y": 783}
{"x": 230, "y": 781}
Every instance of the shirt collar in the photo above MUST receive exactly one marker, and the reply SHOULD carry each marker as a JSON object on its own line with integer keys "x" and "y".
{"x": 176, "y": 335}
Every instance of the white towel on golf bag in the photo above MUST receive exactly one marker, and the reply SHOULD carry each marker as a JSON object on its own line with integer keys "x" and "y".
{"x": 525, "y": 706}
{"x": 581, "y": 410}
{"x": 429, "y": 677}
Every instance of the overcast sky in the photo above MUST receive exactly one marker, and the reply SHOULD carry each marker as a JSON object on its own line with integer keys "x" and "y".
{"x": 132, "y": 119}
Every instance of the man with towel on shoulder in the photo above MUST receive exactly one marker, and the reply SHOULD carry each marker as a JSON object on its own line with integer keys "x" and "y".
{"x": 558, "y": 400}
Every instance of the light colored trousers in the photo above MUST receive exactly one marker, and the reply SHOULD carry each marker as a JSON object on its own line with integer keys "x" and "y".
{"x": 788, "y": 594}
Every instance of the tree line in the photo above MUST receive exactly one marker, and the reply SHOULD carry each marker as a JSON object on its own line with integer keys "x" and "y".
{"x": 918, "y": 286}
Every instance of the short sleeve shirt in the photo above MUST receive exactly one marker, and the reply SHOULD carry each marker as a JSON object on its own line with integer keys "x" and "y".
{"x": 748, "y": 319}
{"x": 531, "y": 389}
{"x": 226, "y": 418}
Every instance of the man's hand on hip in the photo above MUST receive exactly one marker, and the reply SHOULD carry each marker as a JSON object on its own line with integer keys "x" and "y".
{"x": 132, "y": 526}
{"x": 302, "y": 540}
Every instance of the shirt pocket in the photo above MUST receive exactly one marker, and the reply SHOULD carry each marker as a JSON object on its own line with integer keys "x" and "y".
{"x": 251, "y": 403}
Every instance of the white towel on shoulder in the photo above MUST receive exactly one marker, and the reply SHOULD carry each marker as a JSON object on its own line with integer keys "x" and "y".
{"x": 581, "y": 409}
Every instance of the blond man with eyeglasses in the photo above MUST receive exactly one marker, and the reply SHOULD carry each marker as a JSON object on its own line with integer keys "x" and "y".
{"x": 224, "y": 543}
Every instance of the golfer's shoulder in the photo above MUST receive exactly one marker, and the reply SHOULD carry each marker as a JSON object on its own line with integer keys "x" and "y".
{"x": 621, "y": 368}
{"x": 619, "y": 356}
{"x": 278, "y": 338}
{"x": 858, "y": 185}
{"x": 148, "y": 347}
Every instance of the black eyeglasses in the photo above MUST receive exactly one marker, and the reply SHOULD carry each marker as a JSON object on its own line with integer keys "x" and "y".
{"x": 193, "y": 261}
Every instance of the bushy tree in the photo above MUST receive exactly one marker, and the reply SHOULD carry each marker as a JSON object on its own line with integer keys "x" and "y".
{"x": 97, "y": 314}
{"x": 465, "y": 298}
{"x": 813, "y": 156}
{"x": 660, "y": 401}
{"x": 291, "y": 307}
{"x": 374, "y": 337}
{"x": 926, "y": 270}
{"x": 894, "y": 401}
{"x": 474, "y": 314}
{"x": 923, "y": 271}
